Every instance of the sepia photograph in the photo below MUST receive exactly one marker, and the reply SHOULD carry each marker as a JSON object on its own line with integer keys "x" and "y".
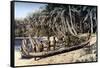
{"x": 54, "y": 33}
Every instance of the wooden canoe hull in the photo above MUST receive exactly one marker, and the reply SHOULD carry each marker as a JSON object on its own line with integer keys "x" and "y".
{"x": 62, "y": 50}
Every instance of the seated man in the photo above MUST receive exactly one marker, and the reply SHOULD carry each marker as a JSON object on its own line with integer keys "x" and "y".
{"x": 54, "y": 43}
{"x": 41, "y": 47}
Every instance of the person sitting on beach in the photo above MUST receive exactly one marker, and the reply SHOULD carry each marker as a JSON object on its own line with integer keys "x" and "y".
{"x": 54, "y": 43}
{"x": 41, "y": 47}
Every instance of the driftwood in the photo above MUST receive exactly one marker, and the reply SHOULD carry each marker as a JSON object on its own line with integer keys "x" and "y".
{"x": 62, "y": 50}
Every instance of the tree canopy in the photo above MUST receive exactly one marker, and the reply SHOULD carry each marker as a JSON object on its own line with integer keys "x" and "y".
{"x": 59, "y": 20}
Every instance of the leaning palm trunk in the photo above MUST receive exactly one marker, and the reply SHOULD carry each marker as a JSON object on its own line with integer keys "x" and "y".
{"x": 91, "y": 22}
{"x": 66, "y": 24}
{"x": 63, "y": 21}
{"x": 24, "y": 49}
{"x": 69, "y": 27}
{"x": 71, "y": 21}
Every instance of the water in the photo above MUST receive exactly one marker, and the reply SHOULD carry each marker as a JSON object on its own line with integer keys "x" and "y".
{"x": 18, "y": 43}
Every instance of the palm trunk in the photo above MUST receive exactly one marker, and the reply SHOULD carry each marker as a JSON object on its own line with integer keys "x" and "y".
{"x": 69, "y": 28}
{"x": 91, "y": 22}
{"x": 71, "y": 21}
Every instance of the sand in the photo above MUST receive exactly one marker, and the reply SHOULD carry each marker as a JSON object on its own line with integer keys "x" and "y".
{"x": 68, "y": 57}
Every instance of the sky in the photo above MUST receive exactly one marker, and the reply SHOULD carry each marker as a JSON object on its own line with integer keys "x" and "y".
{"x": 22, "y": 9}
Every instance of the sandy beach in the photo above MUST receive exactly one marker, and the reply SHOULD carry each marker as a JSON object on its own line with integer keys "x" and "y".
{"x": 68, "y": 57}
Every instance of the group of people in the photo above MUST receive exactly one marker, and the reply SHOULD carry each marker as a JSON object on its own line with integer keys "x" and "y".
{"x": 39, "y": 47}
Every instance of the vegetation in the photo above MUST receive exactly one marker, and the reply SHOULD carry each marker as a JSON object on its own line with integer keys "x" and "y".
{"x": 59, "y": 20}
{"x": 66, "y": 22}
